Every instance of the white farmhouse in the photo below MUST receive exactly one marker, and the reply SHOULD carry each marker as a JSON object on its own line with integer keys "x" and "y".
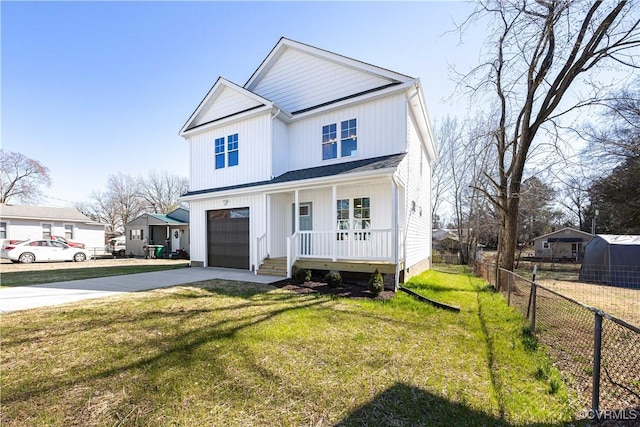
{"x": 319, "y": 161}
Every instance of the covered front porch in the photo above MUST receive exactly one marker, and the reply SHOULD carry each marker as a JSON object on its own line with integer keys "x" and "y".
{"x": 344, "y": 226}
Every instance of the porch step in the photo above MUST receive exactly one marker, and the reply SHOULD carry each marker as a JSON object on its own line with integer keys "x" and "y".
{"x": 274, "y": 267}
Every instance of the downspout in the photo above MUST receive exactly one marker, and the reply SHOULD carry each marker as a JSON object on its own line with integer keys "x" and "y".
{"x": 395, "y": 203}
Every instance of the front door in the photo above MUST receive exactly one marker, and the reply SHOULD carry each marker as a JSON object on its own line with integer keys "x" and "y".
{"x": 175, "y": 240}
{"x": 306, "y": 224}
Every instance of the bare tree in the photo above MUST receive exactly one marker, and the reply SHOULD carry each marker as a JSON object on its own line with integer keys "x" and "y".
{"x": 538, "y": 50}
{"x": 161, "y": 190}
{"x": 576, "y": 198}
{"x": 21, "y": 178}
{"x": 616, "y": 136}
{"x": 465, "y": 162}
{"x": 447, "y": 135}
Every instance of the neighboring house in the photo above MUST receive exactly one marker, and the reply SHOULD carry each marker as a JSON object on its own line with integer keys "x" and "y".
{"x": 319, "y": 159}
{"x": 613, "y": 260}
{"x": 567, "y": 243}
{"x": 20, "y": 222}
{"x": 170, "y": 231}
{"x": 446, "y": 240}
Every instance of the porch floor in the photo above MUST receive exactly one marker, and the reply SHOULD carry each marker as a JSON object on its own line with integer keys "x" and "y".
{"x": 346, "y": 265}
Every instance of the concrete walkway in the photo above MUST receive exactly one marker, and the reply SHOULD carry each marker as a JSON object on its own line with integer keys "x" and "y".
{"x": 33, "y": 296}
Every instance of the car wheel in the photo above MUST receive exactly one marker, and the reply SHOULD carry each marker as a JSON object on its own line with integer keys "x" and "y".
{"x": 27, "y": 258}
{"x": 79, "y": 257}
{"x": 121, "y": 253}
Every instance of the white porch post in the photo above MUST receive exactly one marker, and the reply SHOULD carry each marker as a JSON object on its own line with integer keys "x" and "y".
{"x": 296, "y": 211}
{"x": 267, "y": 221}
{"x": 334, "y": 222}
{"x": 394, "y": 222}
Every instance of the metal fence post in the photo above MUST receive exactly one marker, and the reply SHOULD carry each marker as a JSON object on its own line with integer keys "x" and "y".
{"x": 597, "y": 349}
{"x": 534, "y": 292}
{"x": 509, "y": 280}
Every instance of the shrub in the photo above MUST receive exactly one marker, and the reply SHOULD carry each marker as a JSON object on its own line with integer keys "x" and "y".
{"x": 376, "y": 283}
{"x": 333, "y": 278}
{"x": 301, "y": 275}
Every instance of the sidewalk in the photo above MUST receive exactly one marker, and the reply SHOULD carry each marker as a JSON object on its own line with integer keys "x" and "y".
{"x": 33, "y": 296}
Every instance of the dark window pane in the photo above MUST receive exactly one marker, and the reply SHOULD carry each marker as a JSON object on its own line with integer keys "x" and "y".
{"x": 329, "y": 151}
{"x": 349, "y": 147}
{"x": 233, "y": 158}
{"x": 219, "y": 161}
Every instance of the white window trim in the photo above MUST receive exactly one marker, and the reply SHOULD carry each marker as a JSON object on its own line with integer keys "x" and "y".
{"x": 42, "y": 224}
{"x": 352, "y": 207}
{"x": 338, "y": 139}
{"x": 6, "y": 229}
{"x": 73, "y": 231}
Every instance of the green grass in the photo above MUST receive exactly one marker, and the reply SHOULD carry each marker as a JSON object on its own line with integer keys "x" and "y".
{"x": 24, "y": 278}
{"x": 239, "y": 354}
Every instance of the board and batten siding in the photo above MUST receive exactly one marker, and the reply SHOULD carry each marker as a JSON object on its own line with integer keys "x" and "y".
{"x": 254, "y": 154}
{"x": 228, "y": 101}
{"x": 417, "y": 200}
{"x": 381, "y": 127}
{"x": 299, "y": 80}
{"x": 198, "y": 222}
{"x": 280, "y": 144}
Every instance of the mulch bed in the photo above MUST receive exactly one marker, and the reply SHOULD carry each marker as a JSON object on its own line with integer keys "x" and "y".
{"x": 345, "y": 289}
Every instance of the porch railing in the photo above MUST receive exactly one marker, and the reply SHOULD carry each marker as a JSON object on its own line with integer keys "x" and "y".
{"x": 370, "y": 244}
{"x": 261, "y": 250}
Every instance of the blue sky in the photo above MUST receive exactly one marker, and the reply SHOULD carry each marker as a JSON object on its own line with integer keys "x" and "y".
{"x": 96, "y": 88}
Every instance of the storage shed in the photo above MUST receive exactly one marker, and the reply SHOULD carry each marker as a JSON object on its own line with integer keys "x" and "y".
{"x": 612, "y": 260}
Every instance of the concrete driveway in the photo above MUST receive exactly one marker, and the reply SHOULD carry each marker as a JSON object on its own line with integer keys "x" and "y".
{"x": 33, "y": 296}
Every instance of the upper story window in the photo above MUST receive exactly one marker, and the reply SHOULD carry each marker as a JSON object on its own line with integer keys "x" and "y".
{"x": 219, "y": 146}
{"x": 346, "y": 146}
{"x": 232, "y": 150}
{"x": 348, "y": 138}
{"x": 329, "y": 142}
{"x": 226, "y": 155}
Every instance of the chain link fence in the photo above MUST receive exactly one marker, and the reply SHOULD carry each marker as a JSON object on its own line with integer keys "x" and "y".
{"x": 598, "y": 354}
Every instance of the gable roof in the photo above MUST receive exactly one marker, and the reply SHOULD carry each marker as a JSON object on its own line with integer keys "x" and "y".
{"x": 295, "y": 74}
{"x": 574, "y": 230}
{"x": 224, "y": 99}
{"x": 44, "y": 213}
{"x": 383, "y": 163}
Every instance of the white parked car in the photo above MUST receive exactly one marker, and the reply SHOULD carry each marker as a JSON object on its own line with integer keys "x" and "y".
{"x": 29, "y": 251}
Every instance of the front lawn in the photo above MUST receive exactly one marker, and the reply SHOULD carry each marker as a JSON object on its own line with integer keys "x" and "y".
{"x": 239, "y": 354}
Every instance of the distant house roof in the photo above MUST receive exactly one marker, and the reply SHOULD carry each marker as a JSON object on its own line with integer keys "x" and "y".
{"x": 179, "y": 216}
{"x": 567, "y": 239}
{"x": 364, "y": 165}
{"x": 618, "y": 239}
{"x": 44, "y": 213}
